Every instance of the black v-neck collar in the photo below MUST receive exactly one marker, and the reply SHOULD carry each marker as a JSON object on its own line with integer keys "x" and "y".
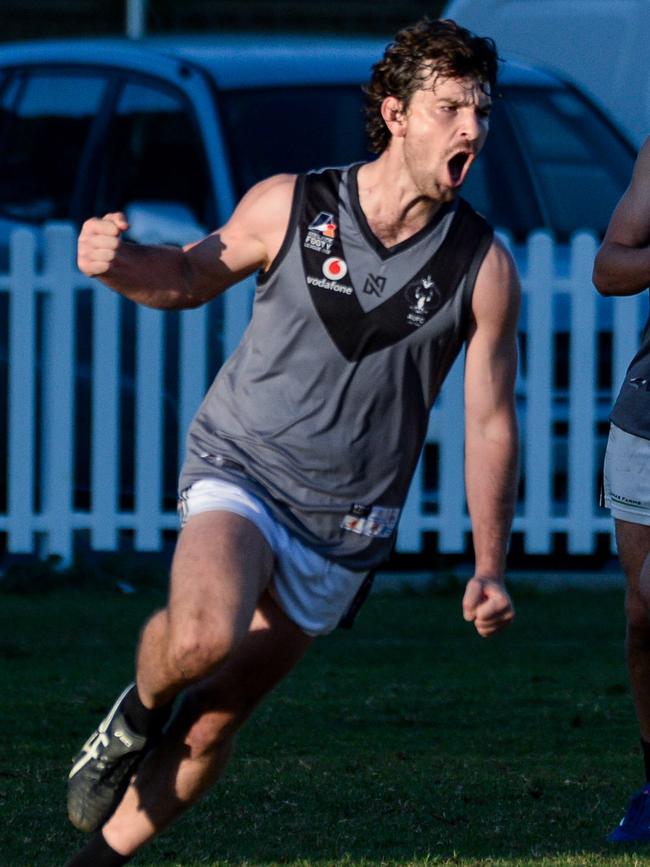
{"x": 353, "y": 330}
{"x": 369, "y": 235}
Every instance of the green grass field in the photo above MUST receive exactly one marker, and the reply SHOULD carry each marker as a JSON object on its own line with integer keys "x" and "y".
{"x": 408, "y": 741}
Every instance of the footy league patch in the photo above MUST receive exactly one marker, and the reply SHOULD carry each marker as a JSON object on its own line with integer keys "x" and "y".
{"x": 321, "y": 233}
{"x": 375, "y": 521}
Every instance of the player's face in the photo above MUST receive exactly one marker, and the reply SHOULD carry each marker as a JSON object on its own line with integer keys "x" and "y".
{"x": 445, "y": 128}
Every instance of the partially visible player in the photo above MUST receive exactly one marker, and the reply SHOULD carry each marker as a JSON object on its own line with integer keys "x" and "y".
{"x": 622, "y": 267}
{"x": 371, "y": 280}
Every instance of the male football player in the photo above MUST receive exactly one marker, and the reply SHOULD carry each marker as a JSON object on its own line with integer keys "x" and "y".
{"x": 371, "y": 278}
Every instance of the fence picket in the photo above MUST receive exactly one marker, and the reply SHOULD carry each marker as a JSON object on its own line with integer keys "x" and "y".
{"x": 22, "y": 393}
{"x": 537, "y": 428}
{"x": 582, "y": 384}
{"x": 451, "y": 437}
{"x": 411, "y": 524}
{"x": 148, "y": 429}
{"x": 105, "y": 416}
{"x": 58, "y": 388}
{"x": 193, "y": 364}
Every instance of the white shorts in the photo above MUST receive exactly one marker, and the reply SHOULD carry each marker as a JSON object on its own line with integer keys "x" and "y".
{"x": 312, "y": 590}
{"x": 626, "y": 477}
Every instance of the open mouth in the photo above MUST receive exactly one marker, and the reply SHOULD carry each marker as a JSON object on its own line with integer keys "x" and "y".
{"x": 457, "y": 165}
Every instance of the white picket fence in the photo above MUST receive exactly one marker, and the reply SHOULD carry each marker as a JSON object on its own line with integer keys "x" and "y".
{"x": 41, "y": 382}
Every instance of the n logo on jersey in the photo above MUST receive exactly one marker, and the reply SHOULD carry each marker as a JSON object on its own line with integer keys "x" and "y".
{"x": 374, "y": 285}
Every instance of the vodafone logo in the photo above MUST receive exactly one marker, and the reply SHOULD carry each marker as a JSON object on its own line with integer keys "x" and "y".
{"x": 334, "y": 268}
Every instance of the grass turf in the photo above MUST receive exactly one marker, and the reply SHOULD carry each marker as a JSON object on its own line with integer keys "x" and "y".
{"x": 408, "y": 741}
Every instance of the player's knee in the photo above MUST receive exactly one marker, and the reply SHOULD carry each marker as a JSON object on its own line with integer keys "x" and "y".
{"x": 195, "y": 653}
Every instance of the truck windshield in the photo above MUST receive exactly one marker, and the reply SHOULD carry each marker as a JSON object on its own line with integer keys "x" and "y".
{"x": 580, "y": 164}
{"x": 292, "y": 129}
{"x": 550, "y": 159}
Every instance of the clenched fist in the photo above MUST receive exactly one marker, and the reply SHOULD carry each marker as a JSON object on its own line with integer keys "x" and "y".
{"x": 99, "y": 243}
{"x": 487, "y": 603}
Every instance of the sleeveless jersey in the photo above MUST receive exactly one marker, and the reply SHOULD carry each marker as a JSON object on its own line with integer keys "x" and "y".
{"x": 631, "y": 411}
{"x": 322, "y": 409}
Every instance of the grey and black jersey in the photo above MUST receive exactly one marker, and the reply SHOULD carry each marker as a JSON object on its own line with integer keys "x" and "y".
{"x": 322, "y": 409}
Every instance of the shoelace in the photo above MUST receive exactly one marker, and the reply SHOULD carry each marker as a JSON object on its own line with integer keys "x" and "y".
{"x": 90, "y": 750}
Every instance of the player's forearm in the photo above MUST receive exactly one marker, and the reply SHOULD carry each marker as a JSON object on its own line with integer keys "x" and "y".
{"x": 491, "y": 474}
{"x": 621, "y": 270}
{"x": 156, "y": 276}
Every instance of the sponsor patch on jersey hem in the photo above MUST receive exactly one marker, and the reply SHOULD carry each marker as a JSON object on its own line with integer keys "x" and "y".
{"x": 376, "y": 521}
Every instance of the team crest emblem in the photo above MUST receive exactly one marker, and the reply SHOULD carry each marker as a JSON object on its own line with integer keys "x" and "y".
{"x": 422, "y": 296}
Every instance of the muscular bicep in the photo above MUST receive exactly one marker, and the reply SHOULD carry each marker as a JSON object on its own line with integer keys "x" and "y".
{"x": 622, "y": 264}
{"x": 247, "y": 242}
{"x": 630, "y": 222}
{"x": 221, "y": 260}
{"x": 491, "y": 358}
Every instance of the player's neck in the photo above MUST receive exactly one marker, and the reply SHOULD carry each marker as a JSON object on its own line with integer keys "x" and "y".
{"x": 394, "y": 209}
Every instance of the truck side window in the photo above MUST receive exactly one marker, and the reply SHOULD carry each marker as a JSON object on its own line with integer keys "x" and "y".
{"x": 323, "y": 124}
{"x": 47, "y": 119}
{"x": 580, "y": 162}
{"x": 154, "y": 155}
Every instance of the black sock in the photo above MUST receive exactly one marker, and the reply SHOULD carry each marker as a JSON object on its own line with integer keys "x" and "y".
{"x": 645, "y": 746}
{"x": 97, "y": 853}
{"x": 144, "y": 720}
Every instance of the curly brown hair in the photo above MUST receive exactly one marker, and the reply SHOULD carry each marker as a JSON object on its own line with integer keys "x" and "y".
{"x": 426, "y": 48}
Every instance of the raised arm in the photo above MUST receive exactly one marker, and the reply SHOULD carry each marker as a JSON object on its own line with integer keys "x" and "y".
{"x": 177, "y": 278}
{"x": 491, "y": 439}
{"x": 622, "y": 266}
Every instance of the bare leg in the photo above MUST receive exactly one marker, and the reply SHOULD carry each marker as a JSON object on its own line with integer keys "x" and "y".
{"x": 197, "y": 747}
{"x": 221, "y": 566}
{"x": 634, "y": 547}
{"x": 221, "y": 632}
